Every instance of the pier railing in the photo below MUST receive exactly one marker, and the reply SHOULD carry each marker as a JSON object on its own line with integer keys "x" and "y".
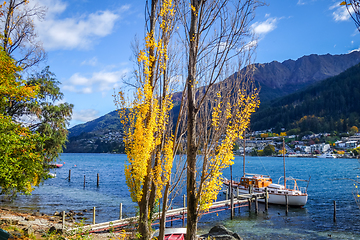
{"x": 178, "y": 213}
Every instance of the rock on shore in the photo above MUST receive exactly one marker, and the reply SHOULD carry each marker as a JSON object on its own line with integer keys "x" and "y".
{"x": 220, "y": 232}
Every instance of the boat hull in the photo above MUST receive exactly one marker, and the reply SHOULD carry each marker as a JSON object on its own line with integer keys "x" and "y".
{"x": 294, "y": 200}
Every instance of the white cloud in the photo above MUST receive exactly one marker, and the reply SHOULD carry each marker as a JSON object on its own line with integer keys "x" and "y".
{"x": 91, "y": 62}
{"x": 301, "y": 2}
{"x": 85, "y": 115}
{"x": 340, "y": 13}
{"x": 99, "y": 81}
{"x": 77, "y": 32}
{"x": 262, "y": 28}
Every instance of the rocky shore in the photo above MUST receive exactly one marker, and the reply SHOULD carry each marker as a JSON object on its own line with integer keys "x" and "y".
{"x": 41, "y": 226}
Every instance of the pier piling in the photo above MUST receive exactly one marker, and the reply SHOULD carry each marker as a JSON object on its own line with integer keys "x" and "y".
{"x": 171, "y": 218}
{"x": 120, "y": 213}
{"x": 63, "y": 220}
{"x": 256, "y": 204}
{"x": 69, "y": 175}
{"x": 97, "y": 183}
{"x": 334, "y": 211}
{"x": 93, "y": 215}
{"x": 183, "y": 216}
{"x": 266, "y": 199}
{"x": 287, "y": 204}
{"x": 84, "y": 181}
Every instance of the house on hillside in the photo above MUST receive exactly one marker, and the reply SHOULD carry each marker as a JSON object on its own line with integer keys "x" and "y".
{"x": 322, "y": 147}
{"x": 303, "y": 148}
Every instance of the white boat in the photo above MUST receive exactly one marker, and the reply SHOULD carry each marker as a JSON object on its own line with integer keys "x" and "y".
{"x": 297, "y": 196}
{"x": 326, "y": 155}
{"x": 255, "y": 183}
{"x": 52, "y": 175}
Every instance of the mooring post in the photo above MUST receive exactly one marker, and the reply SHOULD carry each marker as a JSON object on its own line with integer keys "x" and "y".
{"x": 287, "y": 204}
{"x": 69, "y": 175}
{"x": 237, "y": 191}
{"x": 231, "y": 196}
{"x": 84, "y": 181}
{"x": 93, "y": 215}
{"x": 183, "y": 216}
{"x": 232, "y": 205}
{"x": 256, "y": 204}
{"x": 120, "y": 213}
{"x": 266, "y": 199}
{"x": 171, "y": 218}
{"x": 334, "y": 211}
{"x": 97, "y": 184}
{"x": 63, "y": 220}
{"x": 250, "y": 197}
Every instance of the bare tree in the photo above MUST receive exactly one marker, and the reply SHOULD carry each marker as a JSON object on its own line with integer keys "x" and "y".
{"x": 217, "y": 37}
{"x": 19, "y": 35}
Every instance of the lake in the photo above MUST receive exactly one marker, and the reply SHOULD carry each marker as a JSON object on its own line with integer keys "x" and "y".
{"x": 329, "y": 182}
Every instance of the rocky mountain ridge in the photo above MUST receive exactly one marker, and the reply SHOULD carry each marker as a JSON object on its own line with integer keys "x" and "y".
{"x": 276, "y": 80}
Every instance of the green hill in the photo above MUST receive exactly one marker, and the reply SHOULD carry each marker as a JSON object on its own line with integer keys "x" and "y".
{"x": 329, "y": 105}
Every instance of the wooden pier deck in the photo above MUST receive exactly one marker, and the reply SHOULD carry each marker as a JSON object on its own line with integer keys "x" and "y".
{"x": 172, "y": 214}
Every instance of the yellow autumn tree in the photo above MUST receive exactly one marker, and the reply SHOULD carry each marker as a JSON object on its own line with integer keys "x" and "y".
{"x": 148, "y": 138}
{"x": 219, "y": 40}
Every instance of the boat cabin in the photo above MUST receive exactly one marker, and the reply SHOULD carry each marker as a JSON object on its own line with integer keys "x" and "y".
{"x": 257, "y": 181}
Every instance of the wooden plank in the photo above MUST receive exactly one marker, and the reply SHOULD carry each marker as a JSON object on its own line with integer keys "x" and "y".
{"x": 172, "y": 212}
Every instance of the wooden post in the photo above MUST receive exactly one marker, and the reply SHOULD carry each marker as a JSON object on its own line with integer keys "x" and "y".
{"x": 287, "y": 204}
{"x": 69, "y": 175}
{"x": 249, "y": 200}
{"x": 93, "y": 215}
{"x": 171, "y": 219}
{"x": 97, "y": 184}
{"x": 232, "y": 205}
{"x": 266, "y": 199}
{"x": 183, "y": 217}
{"x": 334, "y": 211}
{"x": 227, "y": 193}
{"x": 237, "y": 191}
{"x": 256, "y": 204}
{"x": 231, "y": 196}
{"x": 84, "y": 181}
{"x": 63, "y": 220}
{"x": 120, "y": 213}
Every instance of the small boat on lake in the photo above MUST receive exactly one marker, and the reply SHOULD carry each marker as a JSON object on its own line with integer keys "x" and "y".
{"x": 326, "y": 155}
{"x": 55, "y": 165}
{"x": 255, "y": 183}
{"x": 277, "y": 193}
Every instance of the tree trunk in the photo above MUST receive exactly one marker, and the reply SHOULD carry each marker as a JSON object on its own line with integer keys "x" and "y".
{"x": 163, "y": 214}
{"x": 192, "y": 201}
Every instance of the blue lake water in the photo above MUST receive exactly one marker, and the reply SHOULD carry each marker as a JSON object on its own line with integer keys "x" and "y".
{"x": 314, "y": 221}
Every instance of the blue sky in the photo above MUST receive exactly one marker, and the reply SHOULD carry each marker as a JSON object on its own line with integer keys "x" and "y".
{"x": 88, "y": 42}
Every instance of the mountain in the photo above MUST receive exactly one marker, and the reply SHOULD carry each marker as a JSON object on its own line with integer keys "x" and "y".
{"x": 276, "y": 80}
{"x": 279, "y": 79}
{"x": 329, "y": 105}
{"x": 101, "y": 135}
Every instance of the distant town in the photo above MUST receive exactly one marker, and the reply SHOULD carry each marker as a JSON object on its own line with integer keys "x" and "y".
{"x": 326, "y": 145}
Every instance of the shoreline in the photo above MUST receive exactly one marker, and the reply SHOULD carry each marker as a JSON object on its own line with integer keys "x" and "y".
{"x": 40, "y": 226}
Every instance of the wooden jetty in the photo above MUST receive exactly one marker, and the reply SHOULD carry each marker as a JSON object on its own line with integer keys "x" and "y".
{"x": 175, "y": 214}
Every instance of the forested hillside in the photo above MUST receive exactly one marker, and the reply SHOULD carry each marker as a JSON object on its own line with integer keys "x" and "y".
{"x": 330, "y": 105}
